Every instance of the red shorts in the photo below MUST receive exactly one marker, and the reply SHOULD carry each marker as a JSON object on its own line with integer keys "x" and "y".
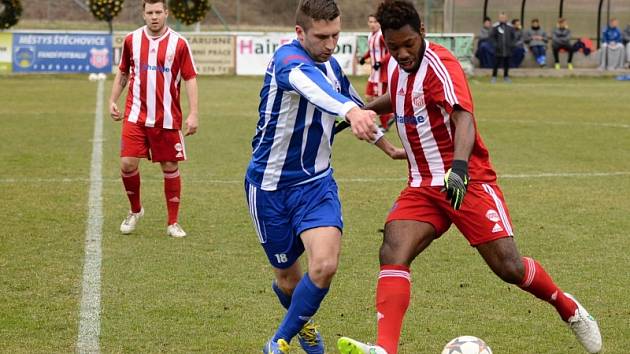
{"x": 157, "y": 144}
{"x": 483, "y": 216}
{"x": 375, "y": 89}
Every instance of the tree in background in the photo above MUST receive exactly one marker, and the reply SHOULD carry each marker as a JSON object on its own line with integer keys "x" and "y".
{"x": 10, "y": 12}
{"x": 189, "y": 12}
{"x": 105, "y": 10}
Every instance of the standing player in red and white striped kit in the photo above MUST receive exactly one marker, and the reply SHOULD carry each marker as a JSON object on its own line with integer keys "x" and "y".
{"x": 379, "y": 58}
{"x": 154, "y": 60}
{"x": 448, "y": 161}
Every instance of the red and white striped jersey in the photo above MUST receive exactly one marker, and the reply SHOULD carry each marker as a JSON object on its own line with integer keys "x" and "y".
{"x": 423, "y": 102}
{"x": 156, "y": 67}
{"x": 377, "y": 51}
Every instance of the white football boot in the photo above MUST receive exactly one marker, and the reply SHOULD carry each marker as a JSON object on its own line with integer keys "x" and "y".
{"x": 585, "y": 328}
{"x": 174, "y": 230}
{"x": 130, "y": 222}
{"x": 350, "y": 346}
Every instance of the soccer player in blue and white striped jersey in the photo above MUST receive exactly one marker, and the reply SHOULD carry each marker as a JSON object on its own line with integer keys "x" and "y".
{"x": 290, "y": 190}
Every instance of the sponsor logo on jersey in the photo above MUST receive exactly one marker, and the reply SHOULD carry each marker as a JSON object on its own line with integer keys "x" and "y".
{"x": 401, "y": 92}
{"x": 410, "y": 120}
{"x": 160, "y": 68}
{"x": 492, "y": 215}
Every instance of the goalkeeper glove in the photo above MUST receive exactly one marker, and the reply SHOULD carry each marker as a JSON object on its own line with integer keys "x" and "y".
{"x": 362, "y": 61}
{"x": 377, "y": 65}
{"x": 456, "y": 182}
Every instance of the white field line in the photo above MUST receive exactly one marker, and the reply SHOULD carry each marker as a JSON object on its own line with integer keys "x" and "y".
{"x": 340, "y": 180}
{"x": 90, "y": 313}
{"x": 561, "y": 123}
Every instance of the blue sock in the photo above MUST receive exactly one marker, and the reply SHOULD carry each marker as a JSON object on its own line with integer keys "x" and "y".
{"x": 305, "y": 302}
{"x": 285, "y": 299}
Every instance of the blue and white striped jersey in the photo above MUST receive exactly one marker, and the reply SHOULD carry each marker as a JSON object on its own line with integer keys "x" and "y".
{"x": 299, "y": 102}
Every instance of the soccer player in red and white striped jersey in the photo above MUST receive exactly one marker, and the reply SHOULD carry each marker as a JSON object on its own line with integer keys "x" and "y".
{"x": 451, "y": 181}
{"x": 379, "y": 58}
{"x": 154, "y": 61}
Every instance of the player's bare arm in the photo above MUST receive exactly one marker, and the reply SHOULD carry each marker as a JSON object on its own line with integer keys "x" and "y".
{"x": 120, "y": 81}
{"x": 192, "y": 121}
{"x": 362, "y": 123}
{"x": 464, "y": 138}
{"x": 390, "y": 150}
{"x": 456, "y": 178}
{"x": 381, "y": 105}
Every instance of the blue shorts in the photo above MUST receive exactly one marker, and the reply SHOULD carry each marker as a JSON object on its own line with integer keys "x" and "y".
{"x": 280, "y": 216}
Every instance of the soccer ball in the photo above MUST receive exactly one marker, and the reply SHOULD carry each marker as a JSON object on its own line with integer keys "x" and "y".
{"x": 466, "y": 345}
{"x": 93, "y": 77}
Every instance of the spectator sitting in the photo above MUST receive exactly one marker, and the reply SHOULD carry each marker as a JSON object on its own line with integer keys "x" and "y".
{"x": 561, "y": 39}
{"x": 518, "y": 53}
{"x": 503, "y": 38}
{"x": 536, "y": 39}
{"x": 626, "y": 42}
{"x": 485, "y": 49}
{"x": 612, "y": 53}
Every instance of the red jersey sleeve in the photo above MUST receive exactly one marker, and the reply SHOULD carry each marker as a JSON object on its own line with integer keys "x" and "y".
{"x": 125, "y": 55}
{"x": 451, "y": 85}
{"x": 187, "y": 64}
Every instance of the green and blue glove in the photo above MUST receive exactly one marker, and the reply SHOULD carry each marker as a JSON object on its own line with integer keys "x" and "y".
{"x": 456, "y": 183}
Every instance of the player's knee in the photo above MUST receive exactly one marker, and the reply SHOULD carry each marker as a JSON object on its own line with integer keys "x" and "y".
{"x": 322, "y": 270}
{"x": 128, "y": 166}
{"x": 511, "y": 271}
{"x": 393, "y": 253}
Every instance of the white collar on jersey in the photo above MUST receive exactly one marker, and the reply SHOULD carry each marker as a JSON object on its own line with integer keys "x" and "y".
{"x": 156, "y": 39}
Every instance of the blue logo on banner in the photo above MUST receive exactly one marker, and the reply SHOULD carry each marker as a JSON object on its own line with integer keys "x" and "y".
{"x": 24, "y": 57}
{"x": 62, "y": 52}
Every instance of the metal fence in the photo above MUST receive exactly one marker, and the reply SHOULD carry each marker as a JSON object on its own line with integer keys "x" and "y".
{"x": 458, "y": 16}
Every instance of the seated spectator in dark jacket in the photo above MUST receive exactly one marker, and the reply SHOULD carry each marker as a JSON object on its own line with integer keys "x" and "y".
{"x": 626, "y": 42}
{"x": 561, "y": 39}
{"x": 612, "y": 53}
{"x": 485, "y": 49}
{"x": 503, "y": 38}
{"x": 536, "y": 39}
{"x": 518, "y": 53}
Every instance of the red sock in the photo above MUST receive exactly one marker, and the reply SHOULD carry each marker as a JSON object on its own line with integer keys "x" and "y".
{"x": 540, "y": 284}
{"x": 393, "y": 292}
{"x": 131, "y": 181}
{"x": 172, "y": 191}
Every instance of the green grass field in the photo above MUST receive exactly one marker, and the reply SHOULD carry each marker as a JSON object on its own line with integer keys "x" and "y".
{"x": 561, "y": 147}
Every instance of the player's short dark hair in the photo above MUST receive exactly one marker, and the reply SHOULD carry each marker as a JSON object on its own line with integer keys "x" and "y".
{"x": 164, "y": 2}
{"x": 396, "y": 14}
{"x": 315, "y": 10}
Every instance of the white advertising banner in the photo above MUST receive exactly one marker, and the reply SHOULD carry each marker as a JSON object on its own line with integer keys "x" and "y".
{"x": 253, "y": 52}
